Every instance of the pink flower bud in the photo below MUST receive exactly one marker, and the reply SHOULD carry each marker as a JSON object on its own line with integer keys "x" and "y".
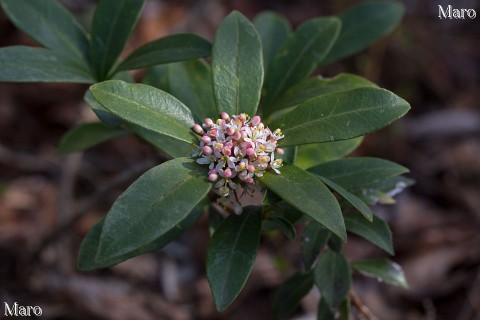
{"x": 255, "y": 120}
{"x": 237, "y": 135}
{"x": 230, "y": 131}
{"x": 227, "y": 151}
{"x": 251, "y": 168}
{"x": 225, "y": 116}
{"x": 198, "y": 129}
{"x": 280, "y": 151}
{"x": 206, "y": 139}
{"x": 249, "y": 180}
{"x": 228, "y": 173}
{"x": 242, "y": 117}
{"x": 208, "y": 122}
{"x": 207, "y": 150}
{"x": 213, "y": 177}
{"x": 250, "y": 152}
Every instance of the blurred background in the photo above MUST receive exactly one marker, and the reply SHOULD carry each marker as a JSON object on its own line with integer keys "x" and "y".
{"x": 48, "y": 202}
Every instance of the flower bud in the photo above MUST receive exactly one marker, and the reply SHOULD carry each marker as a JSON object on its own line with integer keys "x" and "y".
{"x": 227, "y": 173}
{"x": 213, "y": 177}
{"x": 225, "y": 116}
{"x": 207, "y": 150}
{"x": 208, "y": 122}
{"x": 227, "y": 151}
{"x": 251, "y": 168}
{"x": 255, "y": 121}
{"x": 260, "y": 126}
{"x": 198, "y": 129}
{"x": 237, "y": 135}
{"x": 250, "y": 152}
{"x": 249, "y": 180}
{"x": 206, "y": 139}
{"x": 280, "y": 151}
{"x": 230, "y": 131}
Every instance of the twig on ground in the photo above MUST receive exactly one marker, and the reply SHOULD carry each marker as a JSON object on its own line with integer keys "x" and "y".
{"x": 362, "y": 308}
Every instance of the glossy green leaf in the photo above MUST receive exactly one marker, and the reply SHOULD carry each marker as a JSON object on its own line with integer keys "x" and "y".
{"x": 172, "y": 147}
{"x": 29, "y": 64}
{"x": 358, "y": 172}
{"x": 324, "y": 311}
{"x": 309, "y": 195}
{"x": 108, "y": 118}
{"x": 317, "y": 86}
{"x": 384, "y": 191}
{"x": 300, "y": 55}
{"x": 274, "y": 30}
{"x": 215, "y": 220}
{"x": 152, "y": 206}
{"x": 310, "y": 155}
{"x": 282, "y": 224}
{"x": 377, "y": 231}
{"x": 363, "y": 25}
{"x": 288, "y": 296}
{"x": 345, "y": 309}
{"x": 333, "y": 277}
{"x": 88, "y": 249}
{"x": 285, "y": 210}
{"x": 87, "y": 135}
{"x": 237, "y": 66}
{"x": 354, "y": 200}
{"x": 190, "y": 83}
{"x": 231, "y": 255}
{"x": 383, "y": 270}
{"x": 49, "y": 23}
{"x": 339, "y": 116}
{"x": 113, "y": 22}
{"x": 178, "y": 47}
{"x": 157, "y": 77}
{"x": 334, "y": 243}
{"x": 146, "y": 106}
{"x": 314, "y": 238}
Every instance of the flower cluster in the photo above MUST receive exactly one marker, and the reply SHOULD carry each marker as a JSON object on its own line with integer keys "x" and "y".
{"x": 236, "y": 151}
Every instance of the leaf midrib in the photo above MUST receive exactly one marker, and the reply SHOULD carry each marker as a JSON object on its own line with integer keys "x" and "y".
{"x": 172, "y": 121}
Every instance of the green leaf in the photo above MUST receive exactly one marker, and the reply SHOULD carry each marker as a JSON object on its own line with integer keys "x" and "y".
{"x": 281, "y": 224}
{"x": 314, "y": 238}
{"x": 333, "y": 277}
{"x": 113, "y": 22}
{"x": 288, "y": 296}
{"x": 215, "y": 220}
{"x": 312, "y": 154}
{"x": 157, "y": 77}
{"x": 358, "y": 172}
{"x": 340, "y": 116}
{"x": 145, "y": 106}
{"x": 377, "y": 231}
{"x": 190, "y": 83}
{"x": 324, "y": 312}
{"x": 172, "y": 147}
{"x": 354, "y": 200}
{"x": 334, "y": 243}
{"x": 363, "y": 25}
{"x": 178, "y": 47}
{"x": 49, "y": 23}
{"x": 88, "y": 249}
{"x": 237, "y": 66}
{"x": 318, "y": 86}
{"x": 383, "y": 191}
{"x": 300, "y": 55}
{"x": 231, "y": 255}
{"x": 289, "y": 156}
{"x": 274, "y": 30}
{"x": 345, "y": 309}
{"x": 309, "y": 195}
{"x": 108, "y": 118}
{"x": 152, "y": 206}
{"x": 29, "y": 64}
{"x": 87, "y": 135}
{"x": 383, "y": 270}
